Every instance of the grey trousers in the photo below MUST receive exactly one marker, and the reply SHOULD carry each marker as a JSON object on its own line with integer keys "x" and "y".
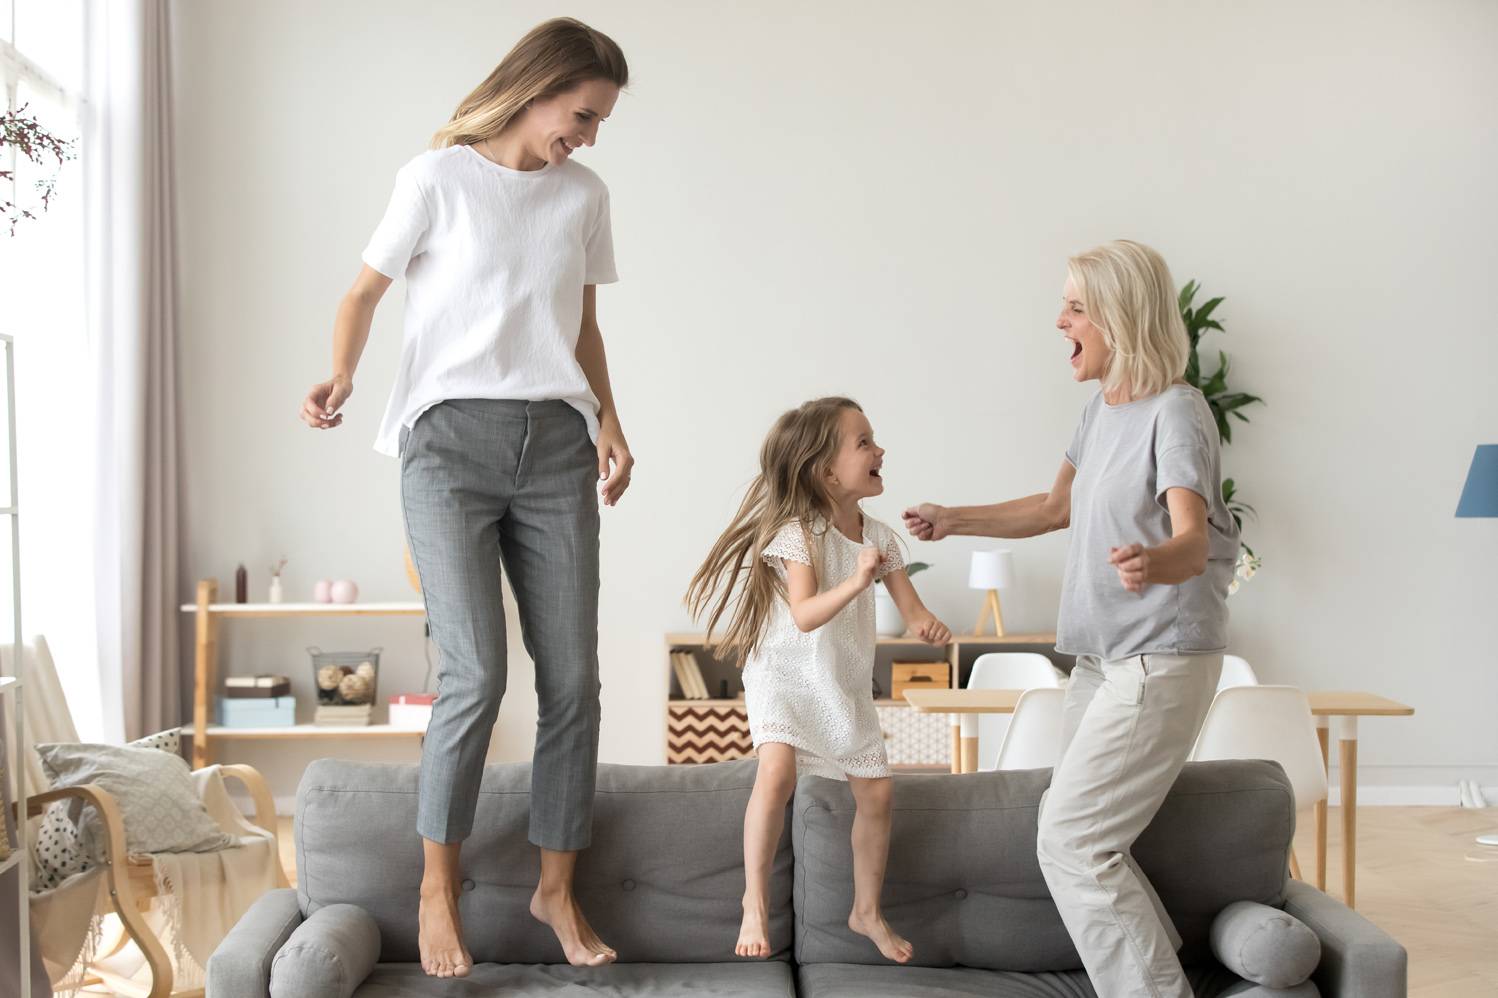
{"x": 486, "y": 483}
{"x": 1127, "y": 727}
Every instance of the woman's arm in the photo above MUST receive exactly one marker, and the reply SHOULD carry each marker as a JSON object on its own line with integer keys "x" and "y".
{"x": 1037, "y": 514}
{"x": 920, "y": 621}
{"x": 1182, "y": 557}
{"x": 350, "y": 333}
{"x": 612, "y": 447}
{"x": 811, "y": 609}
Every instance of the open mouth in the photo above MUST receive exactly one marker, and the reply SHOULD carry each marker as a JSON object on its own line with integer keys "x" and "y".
{"x": 1076, "y": 349}
{"x": 567, "y": 147}
{"x": 875, "y": 474}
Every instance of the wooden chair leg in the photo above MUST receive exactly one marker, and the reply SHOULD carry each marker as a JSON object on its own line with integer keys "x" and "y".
{"x": 117, "y": 878}
{"x": 1295, "y": 866}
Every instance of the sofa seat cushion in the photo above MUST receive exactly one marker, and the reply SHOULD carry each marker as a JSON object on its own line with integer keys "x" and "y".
{"x": 761, "y": 979}
{"x": 856, "y": 980}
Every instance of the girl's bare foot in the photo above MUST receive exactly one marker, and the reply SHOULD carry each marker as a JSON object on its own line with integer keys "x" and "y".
{"x": 579, "y": 942}
{"x": 878, "y": 931}
{"x": 754, "y": 931}
{"x": 439, "y": 935}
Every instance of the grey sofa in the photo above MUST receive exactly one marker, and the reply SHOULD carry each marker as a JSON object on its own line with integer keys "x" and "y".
{"x": 663, "y": 880}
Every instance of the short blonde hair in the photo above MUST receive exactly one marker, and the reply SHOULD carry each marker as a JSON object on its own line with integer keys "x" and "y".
{"x": 1130, "y": 296}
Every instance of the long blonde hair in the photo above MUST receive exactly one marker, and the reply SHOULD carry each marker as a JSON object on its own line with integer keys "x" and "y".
{"x": 553, "y": 57}
{"x": 791, "y": 487}
{"x": 1130, "y": 296}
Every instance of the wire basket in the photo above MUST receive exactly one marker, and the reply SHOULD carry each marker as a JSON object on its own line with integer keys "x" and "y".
{"x": 345, "y": 678}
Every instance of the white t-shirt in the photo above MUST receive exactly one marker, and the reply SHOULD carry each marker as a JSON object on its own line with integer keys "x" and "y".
{"x": 495, "y": 262}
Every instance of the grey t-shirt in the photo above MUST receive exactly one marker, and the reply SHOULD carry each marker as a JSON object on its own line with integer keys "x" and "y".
{"x": 1126, "y": 457}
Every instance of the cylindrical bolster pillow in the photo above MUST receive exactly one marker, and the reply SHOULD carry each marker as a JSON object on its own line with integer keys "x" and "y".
{"x": 1262, "y": 944}
{"x": 328, "y": 955}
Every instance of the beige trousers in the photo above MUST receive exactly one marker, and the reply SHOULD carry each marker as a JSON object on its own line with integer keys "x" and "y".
{"x": 1127, "y": 728}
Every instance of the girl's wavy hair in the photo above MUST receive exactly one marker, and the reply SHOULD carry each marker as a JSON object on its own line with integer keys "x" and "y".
{"x": 791, "y": 487}
{"x": 553, "y": 57}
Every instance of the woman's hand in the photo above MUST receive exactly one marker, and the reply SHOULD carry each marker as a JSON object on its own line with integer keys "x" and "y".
{"x": 320, "y": 407}
{"x": 615, "y": 463}
{"x": 930, "y": 630}
{"x": 926, "y": 522}
{"x": 1133, "y": 564}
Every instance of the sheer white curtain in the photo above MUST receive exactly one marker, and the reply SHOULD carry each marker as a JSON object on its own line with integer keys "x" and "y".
{"x": 131, "y": 240}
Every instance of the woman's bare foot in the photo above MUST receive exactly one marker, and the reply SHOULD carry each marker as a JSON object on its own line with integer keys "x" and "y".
{"x": 579, "y": 942}
{"x": 440, "y": 935}
{"x": 877, "y": 929}
{"x": 754, "y": 931}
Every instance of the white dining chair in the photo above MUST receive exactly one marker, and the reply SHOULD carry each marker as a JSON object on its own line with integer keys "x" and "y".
{"x": 1008, "y": 670}
{"x": 1033, "y": 740}
{"x": 1267, "y": 722}
{"x": 1236, "y": 672}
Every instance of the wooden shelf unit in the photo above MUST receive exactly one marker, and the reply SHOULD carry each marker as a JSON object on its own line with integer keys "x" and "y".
{"x": 209, "y": 612}
{"x": 951, "y": 652}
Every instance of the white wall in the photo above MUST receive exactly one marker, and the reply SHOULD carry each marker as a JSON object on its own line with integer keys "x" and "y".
{"x": 878, "y": 200}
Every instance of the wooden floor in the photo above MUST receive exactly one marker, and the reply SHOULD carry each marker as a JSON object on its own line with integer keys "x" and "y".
{"x": 1421, "y": 878}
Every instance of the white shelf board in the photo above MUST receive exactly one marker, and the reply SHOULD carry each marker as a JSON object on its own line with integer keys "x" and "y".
{"x": 310, "y": 609}
{"x": 308, "y": 731}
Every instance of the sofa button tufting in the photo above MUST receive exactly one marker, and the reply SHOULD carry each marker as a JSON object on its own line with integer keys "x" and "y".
{"x": 468, "y": 885}
{"x": 628, "y": 885}
{"x": 961, "y": 893}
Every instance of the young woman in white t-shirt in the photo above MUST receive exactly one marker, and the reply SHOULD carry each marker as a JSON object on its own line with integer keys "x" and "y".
{"x": 504, "y": 422}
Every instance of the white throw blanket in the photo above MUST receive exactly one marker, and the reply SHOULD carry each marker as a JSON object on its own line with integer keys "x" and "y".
{"x": 200, "y": 895}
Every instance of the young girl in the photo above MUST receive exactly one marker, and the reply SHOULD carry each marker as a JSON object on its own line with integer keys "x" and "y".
{"x": 804, "y": 623}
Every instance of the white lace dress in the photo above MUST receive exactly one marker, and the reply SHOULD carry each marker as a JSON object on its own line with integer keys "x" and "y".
{"x": 814, "y": 691}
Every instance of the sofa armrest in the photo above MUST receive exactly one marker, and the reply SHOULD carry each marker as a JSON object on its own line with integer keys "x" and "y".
{"x": 328, "y": 956}
{"x": 1358, "y": 959}
{"x": 240, "y": 967}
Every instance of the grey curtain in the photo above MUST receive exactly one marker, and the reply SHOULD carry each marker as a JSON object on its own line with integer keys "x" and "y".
{"x": 133, "y": 324}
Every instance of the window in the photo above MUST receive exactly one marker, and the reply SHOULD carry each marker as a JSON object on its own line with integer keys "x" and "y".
{"x": 42, "y": 305}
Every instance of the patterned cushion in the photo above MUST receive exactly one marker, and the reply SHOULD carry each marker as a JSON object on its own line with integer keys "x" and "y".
{"x": 59, "y": 852}
{"x": 153, "y": 788}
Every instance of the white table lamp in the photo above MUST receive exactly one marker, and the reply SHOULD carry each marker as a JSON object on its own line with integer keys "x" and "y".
{"x": 992, "y": 571}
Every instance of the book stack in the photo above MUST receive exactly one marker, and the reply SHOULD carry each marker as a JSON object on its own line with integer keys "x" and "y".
{"x": 411, "y": 710}
{"x": 257, "y": 702}
{"x": 689, "y": 675}
{"x": 343, "y": 716}
{"x": 256, "y": 687}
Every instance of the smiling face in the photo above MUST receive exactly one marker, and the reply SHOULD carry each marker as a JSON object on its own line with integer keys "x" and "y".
{"x": 552, "y": 128}
{"x": 855, "y": 470}
{"x": 1090, "y": 353}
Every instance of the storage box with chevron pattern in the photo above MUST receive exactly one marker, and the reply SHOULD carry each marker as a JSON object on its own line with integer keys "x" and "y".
{"x": 707, "y": 731}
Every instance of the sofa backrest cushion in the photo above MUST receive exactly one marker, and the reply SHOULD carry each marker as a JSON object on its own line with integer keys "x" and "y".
{"x": 964, "y": 886}
{"x": 661, "y": 883}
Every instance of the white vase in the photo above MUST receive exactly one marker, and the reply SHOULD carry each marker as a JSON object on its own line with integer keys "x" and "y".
{"x": 275, "y": 589}
{"x": 887, "y": 620}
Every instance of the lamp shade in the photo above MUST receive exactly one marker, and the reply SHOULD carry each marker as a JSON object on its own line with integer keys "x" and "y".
{"x": 1480, "y": 494}
{"x": 991, "y": 570}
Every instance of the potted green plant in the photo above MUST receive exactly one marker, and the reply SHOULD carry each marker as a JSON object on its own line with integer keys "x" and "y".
{"x": 1225, "y": 404}
{"x": 887, "y": 620}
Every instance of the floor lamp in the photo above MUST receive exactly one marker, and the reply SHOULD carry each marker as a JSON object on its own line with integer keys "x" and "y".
{"x": 1480, "y": 499}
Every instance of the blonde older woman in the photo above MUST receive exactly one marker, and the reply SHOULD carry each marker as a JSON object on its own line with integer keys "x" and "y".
{"x": 1143, "y": 605}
